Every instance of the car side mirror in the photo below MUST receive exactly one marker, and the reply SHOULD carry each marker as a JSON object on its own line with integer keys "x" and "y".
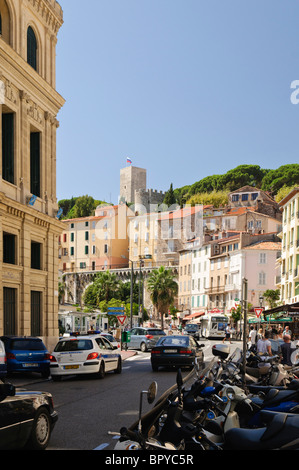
{"x": 7, "y": 390}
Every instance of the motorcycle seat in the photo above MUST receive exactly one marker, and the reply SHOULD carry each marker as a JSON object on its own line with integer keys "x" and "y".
{"x": 259, "y": 438}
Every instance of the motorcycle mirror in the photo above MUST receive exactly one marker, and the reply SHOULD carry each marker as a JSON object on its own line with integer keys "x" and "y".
{"x": 152, "y": 392}
{"x": 179, "y": 379}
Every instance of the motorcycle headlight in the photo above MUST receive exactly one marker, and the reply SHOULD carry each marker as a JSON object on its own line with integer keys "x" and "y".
{"x": 230, "y": 393}
{"x": 133, "y": 447}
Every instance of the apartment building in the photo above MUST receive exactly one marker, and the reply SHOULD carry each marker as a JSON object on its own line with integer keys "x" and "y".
{"x": 289, "y": 283}
{"x": 28, "y": 205}
{"x": 143, "y": 239}
{"x": 239, "y": 256}
{"x": 97, "y": 242}
{"x": 200, "y": 268}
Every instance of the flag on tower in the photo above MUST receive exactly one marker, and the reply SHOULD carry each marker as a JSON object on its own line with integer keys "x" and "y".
{"x": 129, "y": 160}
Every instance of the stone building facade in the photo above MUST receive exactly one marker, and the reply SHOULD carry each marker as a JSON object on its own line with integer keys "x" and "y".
{"x": 28, "y": 205}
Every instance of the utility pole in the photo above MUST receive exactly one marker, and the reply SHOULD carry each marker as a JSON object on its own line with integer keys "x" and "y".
{"x": 244, "y": 304}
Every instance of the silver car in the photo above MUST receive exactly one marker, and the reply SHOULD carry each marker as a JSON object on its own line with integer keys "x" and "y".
{"x": 144, "y": 338}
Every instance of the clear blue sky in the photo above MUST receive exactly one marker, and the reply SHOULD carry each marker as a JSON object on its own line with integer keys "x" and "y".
{"x": 185, "y": 88}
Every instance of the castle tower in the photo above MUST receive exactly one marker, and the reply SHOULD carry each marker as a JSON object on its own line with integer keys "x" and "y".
{"x": 131, "y": 179}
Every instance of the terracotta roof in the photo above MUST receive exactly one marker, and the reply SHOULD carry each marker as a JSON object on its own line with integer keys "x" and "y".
{"x": 264, "y": 246}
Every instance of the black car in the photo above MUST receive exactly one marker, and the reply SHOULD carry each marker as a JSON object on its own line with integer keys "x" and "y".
{"x": 26, "y": 418}
{"x": 176, "y": 351}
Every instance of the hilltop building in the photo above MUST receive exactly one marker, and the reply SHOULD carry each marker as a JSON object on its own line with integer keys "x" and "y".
{"x": 133, "y": 190}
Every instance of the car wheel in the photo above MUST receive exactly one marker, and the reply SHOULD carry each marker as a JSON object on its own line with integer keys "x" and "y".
{"x": 119, "y": 367}
{"x": 45, "y": 374}
{"x": 41, "y": 430}
{"x": 143, "y": 347}
{"x": 101, "y": 373}
{"x": 56, "y": 378}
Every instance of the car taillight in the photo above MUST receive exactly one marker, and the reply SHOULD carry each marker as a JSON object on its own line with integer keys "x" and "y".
{"x": 185, "y": 351}
{"x": 10, "y": 356}
{"x": 47, "y": 356}
{"x": 156, "y": 352}
{"x": 52, "y": 358}
{"x": 149, "y": 336}
{"x": 93, "y": 355}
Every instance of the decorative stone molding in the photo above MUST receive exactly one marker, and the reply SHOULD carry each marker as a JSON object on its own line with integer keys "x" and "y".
{"x": 50, "y": 12}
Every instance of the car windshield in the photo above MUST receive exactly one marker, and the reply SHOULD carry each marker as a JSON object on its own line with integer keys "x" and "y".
{"x": 192, "y": 327}
{"x": 173, "y": 341}
{"x": 155, "y": 332}
{"x": 109, "y": 337}
{"x": 73, "y": 345}
{"x": 27, "y": 344}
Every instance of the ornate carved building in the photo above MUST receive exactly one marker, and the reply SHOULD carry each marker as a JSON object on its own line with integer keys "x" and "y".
{"x": 28, "y": 205}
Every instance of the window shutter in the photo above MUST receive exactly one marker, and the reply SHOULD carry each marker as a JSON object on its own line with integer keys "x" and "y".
{"x": 31, "y": 48}
{"x": 35, "y": 163}
{"x": 8, "y": 147}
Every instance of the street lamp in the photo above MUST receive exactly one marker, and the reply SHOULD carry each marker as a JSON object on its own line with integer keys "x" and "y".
{"x": 131, "y": 290}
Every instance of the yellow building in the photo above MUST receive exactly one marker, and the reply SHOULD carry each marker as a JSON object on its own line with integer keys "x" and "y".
{"x": 96, "y": 243}
{"x": 290, "y": 248}
{"x": 28, "y": 205}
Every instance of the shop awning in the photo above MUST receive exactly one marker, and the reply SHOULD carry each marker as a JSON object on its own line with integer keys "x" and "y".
{"x": 194, "y": 315}
{"x": 289, "y": 309}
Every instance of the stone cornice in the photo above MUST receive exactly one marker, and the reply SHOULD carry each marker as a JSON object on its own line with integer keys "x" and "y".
{"x": 50, "y": 12}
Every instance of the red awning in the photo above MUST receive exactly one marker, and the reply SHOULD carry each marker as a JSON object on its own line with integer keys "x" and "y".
{"x": 194, "y": 315}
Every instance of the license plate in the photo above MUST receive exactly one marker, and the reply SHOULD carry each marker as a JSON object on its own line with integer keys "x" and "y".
{"x": 72, "y": 367}
{"x": 30, "y": 365}
{"x": 170, "y": 351}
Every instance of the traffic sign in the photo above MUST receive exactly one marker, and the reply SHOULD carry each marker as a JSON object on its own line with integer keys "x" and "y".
{"x": 115, "y": 310}
{"x": 258, "y": 312}
{"x": 121, "y": 319}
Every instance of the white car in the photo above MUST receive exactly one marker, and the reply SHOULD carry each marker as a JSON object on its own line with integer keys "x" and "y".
{"x": 90, "y": 354}
{"x": 112, "y": 340}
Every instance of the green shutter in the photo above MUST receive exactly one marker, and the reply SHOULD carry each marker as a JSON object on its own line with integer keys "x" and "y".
{"x": 35, "y": 163}
{"x": 31, "y": 48}
{"x": 8, "y": 147}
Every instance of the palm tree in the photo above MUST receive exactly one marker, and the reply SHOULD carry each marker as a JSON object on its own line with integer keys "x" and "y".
{"x": 106, "y": 286}
{"x": 163, "y": 289}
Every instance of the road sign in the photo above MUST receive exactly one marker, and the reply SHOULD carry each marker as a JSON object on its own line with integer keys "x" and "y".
{"x": 121, "y": 319}
{"x": 115, "y": 310}
{"x": 258, "y": 312}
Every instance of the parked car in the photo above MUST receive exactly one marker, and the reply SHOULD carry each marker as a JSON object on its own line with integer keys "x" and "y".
{"x": 144, "y": 338}
{"x": 111, "y": 338}
{"x": 27, "y": 418}
{"x": 84, "y": 355}
{"x": 26, "y": 354}
{"x": 192, "y": 329}
{"x": 3, "y": 365}
{"x": 177, "y": 351}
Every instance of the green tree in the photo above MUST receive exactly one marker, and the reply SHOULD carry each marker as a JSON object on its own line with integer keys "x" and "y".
{"x": 272, "y": 296}
{"x": 163, "y": 288}
{"x": 106, "y": 286}
{"x": 170, "y": 198}
{"x": 285, "y": 175}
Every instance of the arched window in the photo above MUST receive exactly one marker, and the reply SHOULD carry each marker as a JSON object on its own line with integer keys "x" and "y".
{"x": 31, "y": 48}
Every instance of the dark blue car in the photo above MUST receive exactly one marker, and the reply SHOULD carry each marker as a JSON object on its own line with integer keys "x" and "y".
{"x": 3, "y": 366}
{"x": 26, "y": 354}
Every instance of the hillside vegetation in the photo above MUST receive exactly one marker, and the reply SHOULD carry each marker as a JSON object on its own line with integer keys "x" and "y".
{"x": 214, "y": 189}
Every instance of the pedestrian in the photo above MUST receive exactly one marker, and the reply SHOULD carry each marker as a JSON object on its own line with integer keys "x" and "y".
{"x": 275, "y": 345}
{"x": 227, "y": 334}
{"x": 286, "y": 350}
{"x": 264, "y": 346}
{"x": 280, "y": 333}
{"x": 287, "y": 331}
{"x": 252, "y": 337}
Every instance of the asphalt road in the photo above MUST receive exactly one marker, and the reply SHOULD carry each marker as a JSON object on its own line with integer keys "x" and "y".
{"x": 89, "y": 408}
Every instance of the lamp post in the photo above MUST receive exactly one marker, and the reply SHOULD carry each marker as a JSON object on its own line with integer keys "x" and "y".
{"x": 131, "y": 290}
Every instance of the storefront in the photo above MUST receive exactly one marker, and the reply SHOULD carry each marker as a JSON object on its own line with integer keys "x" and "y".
{"x": 283, "y": 315}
